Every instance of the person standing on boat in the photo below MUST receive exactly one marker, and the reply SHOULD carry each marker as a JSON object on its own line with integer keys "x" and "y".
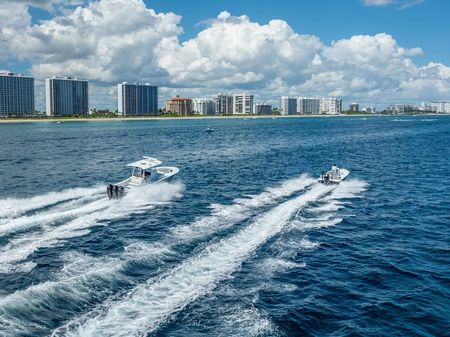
{"x": 335, "y": 171}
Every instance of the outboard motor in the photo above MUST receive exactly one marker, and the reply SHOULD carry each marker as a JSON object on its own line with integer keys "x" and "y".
{"x": 326, "y": 179}
{"x": 109, "y": 191}
{"x": 115, "y": 191}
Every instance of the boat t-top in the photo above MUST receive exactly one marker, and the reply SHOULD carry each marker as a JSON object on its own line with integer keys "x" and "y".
{"x": 333, "y": 176}
{"x": 145, "y": 171}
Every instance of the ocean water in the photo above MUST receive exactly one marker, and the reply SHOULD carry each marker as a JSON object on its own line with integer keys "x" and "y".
{"x": 243, "y": 243}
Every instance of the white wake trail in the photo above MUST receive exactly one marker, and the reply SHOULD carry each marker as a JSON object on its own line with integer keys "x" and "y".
{"x": 150, "y": 304}
{"x": 233, "y": 302}
{"x": 224, "y": 216}
{"x": 18, "y": 249}
{"x": 52, "y": 217}
{"x": 13, "y": 207}
{"x": 81, "y": 273}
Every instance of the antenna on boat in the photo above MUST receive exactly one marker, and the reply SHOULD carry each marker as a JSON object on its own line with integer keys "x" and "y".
{"x": 137, "y": 154}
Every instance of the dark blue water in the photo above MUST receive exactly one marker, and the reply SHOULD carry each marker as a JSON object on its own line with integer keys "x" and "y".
{"x": 243, "y": 243}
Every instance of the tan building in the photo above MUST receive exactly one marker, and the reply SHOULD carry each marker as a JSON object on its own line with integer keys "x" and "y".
{"x": 180, "y": 106}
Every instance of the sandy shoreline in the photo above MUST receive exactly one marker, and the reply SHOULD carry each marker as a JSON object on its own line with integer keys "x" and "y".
{"x": 159, "y": 118}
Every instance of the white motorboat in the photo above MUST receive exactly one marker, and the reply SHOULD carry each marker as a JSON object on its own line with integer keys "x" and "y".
{"x": 333, "y": 176}
{"x": 145, "y": 171}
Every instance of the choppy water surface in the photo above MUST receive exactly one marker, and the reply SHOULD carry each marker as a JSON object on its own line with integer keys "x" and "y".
{"x": 243, "y": 243}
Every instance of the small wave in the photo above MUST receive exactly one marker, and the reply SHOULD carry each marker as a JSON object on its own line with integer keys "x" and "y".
{"x": 24, "y": 267}
{"x": 402, "y": 120}
{"x": 244, "y": 321}
{"x": 306, "y": 243}
{"x": 314, "y": 224}
{"x": 273, "y": 264}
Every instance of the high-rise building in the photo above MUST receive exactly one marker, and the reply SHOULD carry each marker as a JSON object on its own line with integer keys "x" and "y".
{"x": 308, "y": 105}
{"x": 399, "y": 108}
{"x": 66, "y": 96}
{"x": 370, "y": 109}
{"x": 330, "y": 105}
{"x": 16, "y": 95}
{"x": 179, "y": 105}
{"x": 441, "y": 107}
{"x": 137, "y": 99}
{"x": 354, "y": 107}
{"x": 288, "y": 105}
{"x": 223, "y": 104}
{"x": 242, "y": 104}
{"x": 263, "y": 109}
{"x": 203, "y": 106}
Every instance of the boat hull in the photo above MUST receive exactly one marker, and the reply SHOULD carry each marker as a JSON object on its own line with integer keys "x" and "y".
{"x": 158, "y": 175}
{"x": 334, "y": 179}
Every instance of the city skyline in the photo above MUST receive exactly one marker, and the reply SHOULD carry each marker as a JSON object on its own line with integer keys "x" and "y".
{"x": 274, "y": 55}
{"x": 68, "y": 96}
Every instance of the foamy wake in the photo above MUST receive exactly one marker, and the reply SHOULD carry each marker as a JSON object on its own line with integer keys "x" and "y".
{"x": 151, "y": 303}
{"x": 68, "y": 210}
{"x": 12, "y": 207}
{"x": 226, "y": 215}
{"x": 92, "y": 214}
{"x": 72, "y": 287}
{"x": 81, "y": 272}
{"x": 234, "y": 301}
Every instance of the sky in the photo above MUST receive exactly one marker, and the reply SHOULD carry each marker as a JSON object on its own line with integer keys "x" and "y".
{"x": 375, "y": 52}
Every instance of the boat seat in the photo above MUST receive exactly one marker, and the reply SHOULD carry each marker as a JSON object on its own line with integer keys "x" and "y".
{"x": 135, "y": 181}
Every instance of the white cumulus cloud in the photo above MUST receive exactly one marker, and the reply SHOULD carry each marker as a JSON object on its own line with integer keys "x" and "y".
{"x": 378, "y": 2}
{"x": 401, "y": 4}
{"x": 235, "y": 51}
{"x": 108, "y": 40}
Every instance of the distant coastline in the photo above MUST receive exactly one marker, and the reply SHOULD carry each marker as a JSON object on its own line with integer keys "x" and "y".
{"x": 146, "y": 118}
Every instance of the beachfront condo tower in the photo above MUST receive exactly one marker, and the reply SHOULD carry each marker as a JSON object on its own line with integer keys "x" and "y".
{"x": 137, "y": 99}
{"x": 66, "y": 96}
{"x": 16, "y": 95}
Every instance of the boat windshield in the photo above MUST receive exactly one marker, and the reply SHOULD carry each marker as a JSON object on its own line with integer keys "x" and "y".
{"x": 335, "y": 174}
{"x": 137, "y": 172}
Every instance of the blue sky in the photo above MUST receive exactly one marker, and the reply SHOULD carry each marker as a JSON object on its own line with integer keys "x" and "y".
{"x": 373, "y": 51}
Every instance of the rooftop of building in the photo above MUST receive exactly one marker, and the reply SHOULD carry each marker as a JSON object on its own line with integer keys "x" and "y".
{"x": 67, "y": 78}
{"x": 9, "y": 73}
{"x": 178, "y": 98}
{"x": 135, "y": 83}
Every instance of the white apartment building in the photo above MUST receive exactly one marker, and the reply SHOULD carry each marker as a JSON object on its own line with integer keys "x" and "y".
{"x": 399, "y": 108}
{"x": 440, "y": 107}
{"x": 308, "y": 105}
{"x": 370, "y": 109}
{"x": 242, "y": 104}
{"x": 288, "y": 105}
{"x": 203, "y": 106}
{"x": 330, "y": 105}
{"x": 223, "y": 104}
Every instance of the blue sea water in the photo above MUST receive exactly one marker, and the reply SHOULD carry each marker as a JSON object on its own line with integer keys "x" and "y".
{"x": 243, "y": 243}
